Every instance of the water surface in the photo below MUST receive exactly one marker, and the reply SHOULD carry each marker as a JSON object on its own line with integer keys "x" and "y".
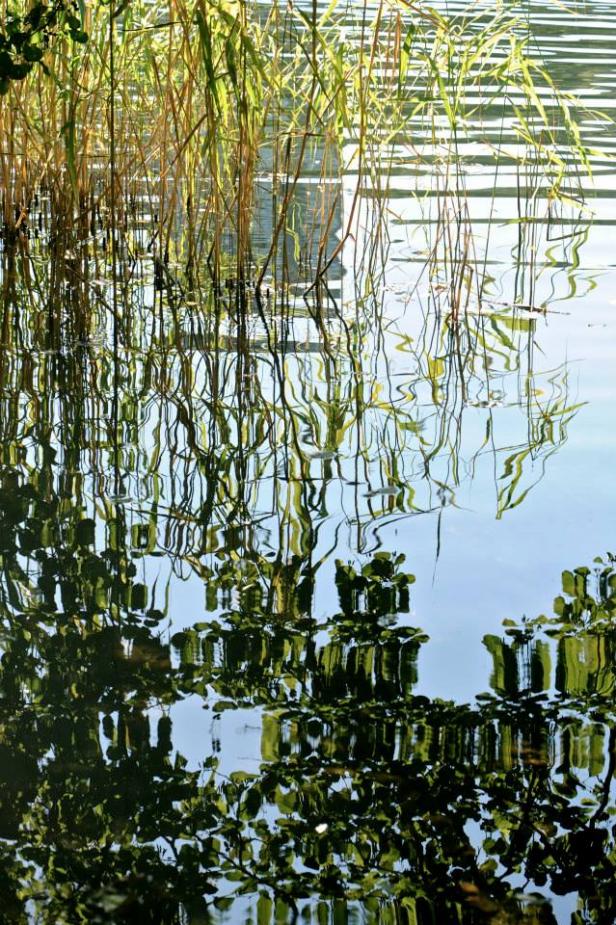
{"x": 257, "y": 552}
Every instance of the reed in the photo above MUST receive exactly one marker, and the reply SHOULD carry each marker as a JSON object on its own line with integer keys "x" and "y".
{"x": 215, "y": 99}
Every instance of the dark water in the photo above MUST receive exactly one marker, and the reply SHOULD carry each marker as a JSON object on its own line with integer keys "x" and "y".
{"x": 256, "y": 554}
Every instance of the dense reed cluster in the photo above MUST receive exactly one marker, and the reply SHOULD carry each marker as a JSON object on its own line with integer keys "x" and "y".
{"x": 164, "y": 127}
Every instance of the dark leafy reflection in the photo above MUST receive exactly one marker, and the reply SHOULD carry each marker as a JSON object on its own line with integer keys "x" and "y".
{"x": 368, "y": 797}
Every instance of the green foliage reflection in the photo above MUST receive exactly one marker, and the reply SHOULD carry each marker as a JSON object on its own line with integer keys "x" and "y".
{"x": 368, "y": 796}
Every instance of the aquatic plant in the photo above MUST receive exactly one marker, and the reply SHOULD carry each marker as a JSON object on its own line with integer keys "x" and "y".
{"x": 169, "y": 117}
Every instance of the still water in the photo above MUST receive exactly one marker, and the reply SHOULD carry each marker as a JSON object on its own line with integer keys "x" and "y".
{"x": 257, "y": 554}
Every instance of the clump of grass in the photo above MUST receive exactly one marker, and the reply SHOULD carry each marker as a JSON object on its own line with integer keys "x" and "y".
{"x": 209, "y": 99}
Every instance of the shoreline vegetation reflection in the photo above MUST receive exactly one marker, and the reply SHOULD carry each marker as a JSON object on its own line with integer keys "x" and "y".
{"x": 368, "y": 795}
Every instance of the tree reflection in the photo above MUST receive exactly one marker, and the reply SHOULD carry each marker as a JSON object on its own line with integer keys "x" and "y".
{"x": 368, "y": 796}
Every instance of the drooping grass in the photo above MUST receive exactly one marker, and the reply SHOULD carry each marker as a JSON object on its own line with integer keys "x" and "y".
{"x": 212, "y": 101}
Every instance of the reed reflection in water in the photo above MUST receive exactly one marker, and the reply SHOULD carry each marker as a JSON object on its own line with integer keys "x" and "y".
{"x": 252, "y": 447}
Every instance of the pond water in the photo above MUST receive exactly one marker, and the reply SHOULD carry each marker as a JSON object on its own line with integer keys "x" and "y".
{"x": 257, "y": 552}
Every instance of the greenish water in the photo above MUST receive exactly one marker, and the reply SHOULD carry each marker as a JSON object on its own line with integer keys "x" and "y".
{"x": 256, "y": 554}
